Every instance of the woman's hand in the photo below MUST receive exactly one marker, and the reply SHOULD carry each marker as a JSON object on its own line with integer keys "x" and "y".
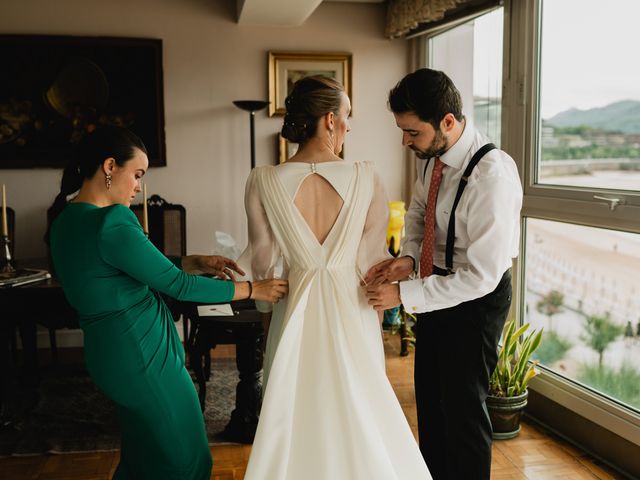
{"x": 271, "y": 290}
{"x": 221, "y": 267}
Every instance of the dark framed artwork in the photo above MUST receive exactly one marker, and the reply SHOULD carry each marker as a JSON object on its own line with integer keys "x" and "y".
{"x": 54, "y": 90}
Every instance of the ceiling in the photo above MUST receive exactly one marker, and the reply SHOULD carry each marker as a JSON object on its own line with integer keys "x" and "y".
{"x": 281, "y": 13}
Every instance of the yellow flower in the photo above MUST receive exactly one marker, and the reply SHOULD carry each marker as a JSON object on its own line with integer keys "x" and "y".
{"x": 396, "y": 226}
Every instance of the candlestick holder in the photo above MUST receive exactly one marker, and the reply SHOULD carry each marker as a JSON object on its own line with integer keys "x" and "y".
{"x": 8, "y": 266}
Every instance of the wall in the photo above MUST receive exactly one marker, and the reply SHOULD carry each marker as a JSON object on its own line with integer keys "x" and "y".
{"x": 209, "y": 61}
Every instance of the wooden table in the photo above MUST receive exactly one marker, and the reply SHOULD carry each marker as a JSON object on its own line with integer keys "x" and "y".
{"x": 245, "y": 330}
{"x": 22, "y": 308}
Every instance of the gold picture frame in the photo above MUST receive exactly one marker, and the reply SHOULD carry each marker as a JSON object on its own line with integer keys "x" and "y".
{"x": 285, "y": 68}
{"x": 287, "y": 149}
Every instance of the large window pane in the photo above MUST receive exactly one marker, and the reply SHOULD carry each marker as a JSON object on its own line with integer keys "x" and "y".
{"x": 583, "y": 288}
{"x": 590, "y": 94}
{"x": 471, "y": 54}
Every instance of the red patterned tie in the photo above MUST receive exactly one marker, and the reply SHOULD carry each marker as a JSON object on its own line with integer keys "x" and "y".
{"x": 426, "y": 259}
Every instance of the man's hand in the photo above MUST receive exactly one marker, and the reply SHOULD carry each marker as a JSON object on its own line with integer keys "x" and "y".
{"x": 384, "y": 296}
{"x": 391, "y": 270}
{"x": 221, "y": 267}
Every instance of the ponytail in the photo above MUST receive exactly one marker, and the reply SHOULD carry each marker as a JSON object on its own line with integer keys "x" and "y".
{"x": 71, "y": 183}
{"x": 106, "y": 142}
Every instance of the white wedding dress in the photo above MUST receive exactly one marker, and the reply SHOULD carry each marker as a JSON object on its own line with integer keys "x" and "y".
{"x": 328, "y": 412}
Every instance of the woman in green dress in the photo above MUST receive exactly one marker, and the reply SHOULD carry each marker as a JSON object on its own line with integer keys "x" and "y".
{"x": 108, "y": 268}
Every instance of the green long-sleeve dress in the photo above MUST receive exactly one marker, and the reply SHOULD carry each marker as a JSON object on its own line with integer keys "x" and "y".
{"x": 107, "y": 267}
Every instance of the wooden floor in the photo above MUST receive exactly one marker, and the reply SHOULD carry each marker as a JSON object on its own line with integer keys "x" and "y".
{"x": 533, "y": 455}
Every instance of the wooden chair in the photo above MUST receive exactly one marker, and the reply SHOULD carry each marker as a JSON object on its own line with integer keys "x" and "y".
{"x": 168, "y": 232}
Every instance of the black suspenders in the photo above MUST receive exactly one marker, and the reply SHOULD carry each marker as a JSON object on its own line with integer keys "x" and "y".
{"x": 451, "y": 230}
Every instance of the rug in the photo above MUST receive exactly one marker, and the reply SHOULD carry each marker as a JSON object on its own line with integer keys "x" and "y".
{"x": 67, "y": 413}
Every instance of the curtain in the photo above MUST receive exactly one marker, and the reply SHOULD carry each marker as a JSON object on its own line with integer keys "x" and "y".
{"x": 404, "y": 16}
{"x": 416, "y": 59}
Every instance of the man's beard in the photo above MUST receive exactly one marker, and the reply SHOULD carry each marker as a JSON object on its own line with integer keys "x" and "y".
{"x": 439, "y": 145}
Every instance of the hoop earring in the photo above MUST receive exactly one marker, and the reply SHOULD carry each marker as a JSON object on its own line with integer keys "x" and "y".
{"x": 107, "y": 181}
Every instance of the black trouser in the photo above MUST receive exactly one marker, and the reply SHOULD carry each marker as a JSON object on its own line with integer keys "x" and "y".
{"x": 456, "y": 352}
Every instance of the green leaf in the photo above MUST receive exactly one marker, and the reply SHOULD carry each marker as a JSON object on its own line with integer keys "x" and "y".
{"x": 514, "y": 369}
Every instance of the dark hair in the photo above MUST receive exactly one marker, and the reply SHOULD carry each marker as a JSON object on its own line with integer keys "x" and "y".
{"x": 430, "y": 94}
{"x": 311, "y": 99}
{"x": 87, "y": 157}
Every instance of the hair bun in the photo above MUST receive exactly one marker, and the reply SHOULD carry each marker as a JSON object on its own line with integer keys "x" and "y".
{"x": 295, "y": 131}
{"x": 310, "y": 99}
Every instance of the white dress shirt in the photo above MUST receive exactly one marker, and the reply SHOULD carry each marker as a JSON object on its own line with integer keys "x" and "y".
{"x": 487, "y": 225}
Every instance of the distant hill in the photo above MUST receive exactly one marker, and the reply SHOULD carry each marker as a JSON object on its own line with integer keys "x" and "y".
{"x": 623, "y": 116}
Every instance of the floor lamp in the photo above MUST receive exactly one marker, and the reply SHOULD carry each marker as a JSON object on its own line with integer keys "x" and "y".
{"x": 252, "y": 106}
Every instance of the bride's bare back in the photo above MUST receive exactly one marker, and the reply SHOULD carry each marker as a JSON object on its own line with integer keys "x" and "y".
{"x": 319, "y": 204}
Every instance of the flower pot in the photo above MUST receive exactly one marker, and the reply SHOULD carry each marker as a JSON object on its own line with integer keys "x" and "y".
{"x": 505, "y": 413}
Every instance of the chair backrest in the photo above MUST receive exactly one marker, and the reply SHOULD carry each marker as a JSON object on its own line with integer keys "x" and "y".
{"x": 167, "y": 225}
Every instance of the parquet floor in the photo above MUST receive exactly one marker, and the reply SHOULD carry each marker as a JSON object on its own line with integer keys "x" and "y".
{"x": 533, "y": 455}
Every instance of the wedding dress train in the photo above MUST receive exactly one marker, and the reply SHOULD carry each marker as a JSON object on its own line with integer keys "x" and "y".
{"x": 329, "y": 411}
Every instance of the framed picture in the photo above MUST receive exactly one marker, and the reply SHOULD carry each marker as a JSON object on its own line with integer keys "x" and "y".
{"x": 287, "y": 149}
{"x": 55, "y": 90}
{"x": 285, "y": 68}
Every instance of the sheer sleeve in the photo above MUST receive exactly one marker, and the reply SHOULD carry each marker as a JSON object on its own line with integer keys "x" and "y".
{"x": 262, "y": 255}
{"x": 373, "y": 246}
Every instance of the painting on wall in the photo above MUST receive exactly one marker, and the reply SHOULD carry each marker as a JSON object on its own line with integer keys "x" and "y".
{"x": 55, "y": 90}
{"x": 286, "y": 68}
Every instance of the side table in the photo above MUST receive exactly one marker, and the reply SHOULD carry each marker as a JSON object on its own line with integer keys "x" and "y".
{"x": 245, "y": 330}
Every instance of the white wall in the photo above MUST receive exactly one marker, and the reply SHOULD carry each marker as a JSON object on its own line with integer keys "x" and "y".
{"x": 209, "y": 61}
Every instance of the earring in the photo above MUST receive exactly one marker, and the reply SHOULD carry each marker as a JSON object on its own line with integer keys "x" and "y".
{"x": 107, "y": 180}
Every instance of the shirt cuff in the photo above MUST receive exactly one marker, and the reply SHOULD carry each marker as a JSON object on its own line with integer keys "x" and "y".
{"x": 412, "y": 296}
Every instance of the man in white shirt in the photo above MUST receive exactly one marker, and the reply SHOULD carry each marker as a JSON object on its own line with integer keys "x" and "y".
{"x": 462, "y": 232}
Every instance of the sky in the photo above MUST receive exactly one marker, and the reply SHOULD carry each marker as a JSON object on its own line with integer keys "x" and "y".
{"x": 590, "y": 53}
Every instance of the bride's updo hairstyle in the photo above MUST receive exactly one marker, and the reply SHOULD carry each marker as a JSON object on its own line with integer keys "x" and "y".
{"x": 311, "y": 99}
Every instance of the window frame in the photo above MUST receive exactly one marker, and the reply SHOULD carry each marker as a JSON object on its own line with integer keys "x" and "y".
{"x": 520, "y": 124}
{"x": 520, "y": 117}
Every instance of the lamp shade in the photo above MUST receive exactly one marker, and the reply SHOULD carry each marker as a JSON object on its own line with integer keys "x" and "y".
{"x": 251, "y": 105}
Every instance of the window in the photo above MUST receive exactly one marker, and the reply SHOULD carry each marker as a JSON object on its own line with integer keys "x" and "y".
{"x": 572, "y": 99}
{"x": 561, "y": 96}
{"x": 471, "y": 55}
{"x": 590, "y": 314}
{"x": 589, "y": 96}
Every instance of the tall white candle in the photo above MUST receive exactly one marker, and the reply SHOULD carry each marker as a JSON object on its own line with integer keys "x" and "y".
{"x": 5, "y": 226}
{"x": 145, "y": 214}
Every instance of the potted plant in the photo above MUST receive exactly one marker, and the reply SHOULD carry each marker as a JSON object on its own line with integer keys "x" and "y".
{"x": 508, "y": 385}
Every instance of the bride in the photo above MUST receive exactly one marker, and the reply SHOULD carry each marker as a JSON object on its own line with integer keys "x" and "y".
{"x": 329, "y": 411}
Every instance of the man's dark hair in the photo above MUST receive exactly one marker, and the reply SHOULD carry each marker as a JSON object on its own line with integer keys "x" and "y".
{"x": 430, "y": 94}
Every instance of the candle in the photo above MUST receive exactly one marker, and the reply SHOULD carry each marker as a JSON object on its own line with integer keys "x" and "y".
{"x": 5, "y": 227}
{"x": 145, "y": 215}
